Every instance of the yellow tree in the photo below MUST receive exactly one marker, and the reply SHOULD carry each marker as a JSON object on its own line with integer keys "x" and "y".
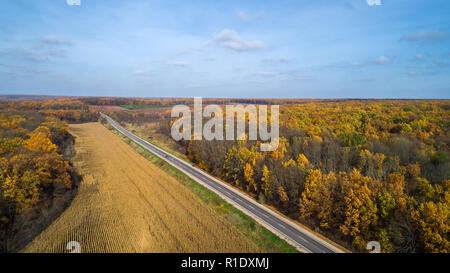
{"x": 360, "y": 210}
{"x": 21, "y": 190}
{"x": 281, "y": 150}
{"x": 40, "y": 141}
{"x": 267, "y": 184}
{"x": 433, "y": 225}
{"x": 302, "y": 161}
{"x": 308, "y": 204}
{"x": 283, "y": 196}
{"x": 316, "y": 200}
{"x": 248, "y": 174}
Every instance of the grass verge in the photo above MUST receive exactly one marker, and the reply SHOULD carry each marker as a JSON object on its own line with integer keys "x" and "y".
{"x": 259, "y": 235}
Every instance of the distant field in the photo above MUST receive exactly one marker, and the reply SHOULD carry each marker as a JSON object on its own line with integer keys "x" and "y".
{"x": 127, "y": 204}
{"x": 106, "y": 108}
{"x": 134, "y": 107}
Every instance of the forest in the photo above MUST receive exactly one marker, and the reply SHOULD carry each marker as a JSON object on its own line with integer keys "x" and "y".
{"x": 37, "y": 180}
{"x": 353, "y": 170}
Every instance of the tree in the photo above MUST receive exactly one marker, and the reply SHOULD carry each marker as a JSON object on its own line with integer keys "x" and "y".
{"x": 309, "y": 198}
{"x": 21, "y": 190}
{"x": 40, "y": 141}
{"x": 302, "y": 161}
{"x": 267, "y": 184}
{"x": 386, "y": 205}
{"x": 424, "y": 190}
{"x": 284, "y": 198}
{"x": 248, "y": 174}
{"x": 433, "y": 225}
{"x": 360, "y": 210}
{"x": 317, "y": 199}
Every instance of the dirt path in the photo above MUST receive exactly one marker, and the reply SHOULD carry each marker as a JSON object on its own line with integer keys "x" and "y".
{"x": 126, "y": 204}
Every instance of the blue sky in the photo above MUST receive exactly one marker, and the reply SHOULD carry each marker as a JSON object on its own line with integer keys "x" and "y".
{"x": 258, "y": 49}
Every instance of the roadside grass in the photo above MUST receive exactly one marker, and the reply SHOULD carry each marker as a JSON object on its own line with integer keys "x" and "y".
{"x": 156, "y": 139}
{"x": 133, "y": 107}
{"x": 259, "y": 235}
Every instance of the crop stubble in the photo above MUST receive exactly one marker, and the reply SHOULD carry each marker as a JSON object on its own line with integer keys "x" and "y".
{"x": 126, "y": 204}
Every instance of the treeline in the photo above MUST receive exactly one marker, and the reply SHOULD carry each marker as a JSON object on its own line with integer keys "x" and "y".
{"x": 117, "y": 101}
{"x": 141, "y": 117}
{"x": 71, "y": 110}
{"x": 37, "y": 180}
{"x": 356, "y": 171}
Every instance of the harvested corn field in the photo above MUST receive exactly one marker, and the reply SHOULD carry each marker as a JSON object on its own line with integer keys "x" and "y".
{"x": 126, "y": 204}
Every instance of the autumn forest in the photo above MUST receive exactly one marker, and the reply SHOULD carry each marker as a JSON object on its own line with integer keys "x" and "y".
{"x": 351, "y": 170}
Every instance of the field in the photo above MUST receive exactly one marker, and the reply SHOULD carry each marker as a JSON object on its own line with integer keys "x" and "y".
{"x": 108, "y": 108}
{"x": 127, "y": 204}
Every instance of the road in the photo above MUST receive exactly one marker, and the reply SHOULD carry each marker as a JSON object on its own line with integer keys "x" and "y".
{"x": 302, "y": 239}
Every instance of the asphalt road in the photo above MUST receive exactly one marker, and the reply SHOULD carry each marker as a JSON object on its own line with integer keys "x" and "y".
{"x": 289, "y": 231}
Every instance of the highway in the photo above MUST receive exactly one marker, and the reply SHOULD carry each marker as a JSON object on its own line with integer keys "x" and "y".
{"x": 297, "y": 236}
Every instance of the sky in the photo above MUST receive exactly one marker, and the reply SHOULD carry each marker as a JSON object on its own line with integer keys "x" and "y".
{"x": 245, "y": 48}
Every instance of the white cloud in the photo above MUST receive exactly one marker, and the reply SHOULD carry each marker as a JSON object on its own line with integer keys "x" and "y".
{"x": 430, "y": 66}
{"x": 304, "y": 77}
{"x": 195, "y": 86}
{"x": 426, "y": 36}
{"x": 421, "y": 73}
{"x": 247, "y": 17}
{"x": 53, "y": 40}
{"x": 373, "y": 2}
{"x": 142, "y": 72}
{"x": 380, "y": 60}
{"x": 46, "y": 49}
{"x": 73, "y": 2}
{"x": 277, "y": 60}
{"x": 17, "y": 70}
{"x": 419, "y": 57}
{"x": 265, "y": 74}
{"x": 228, "y": 38}
{"x": 188, "y": 51}
{"x": 199, "y": 72}
{"x": 367, "y": 79}
{"x": 25, "y": 54}
{"x": 179, "y": 64}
